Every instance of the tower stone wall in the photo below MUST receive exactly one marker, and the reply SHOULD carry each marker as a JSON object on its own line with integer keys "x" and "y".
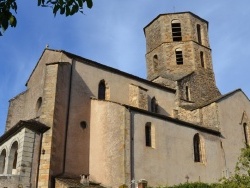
{"x": 159, "y": 41}
{"x": 178, "y": 46}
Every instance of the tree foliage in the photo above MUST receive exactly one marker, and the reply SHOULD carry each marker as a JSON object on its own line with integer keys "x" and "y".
{"x": 64, "y": 7}
{"x": 6, "y": 17}
{"x": 241, "y": 178}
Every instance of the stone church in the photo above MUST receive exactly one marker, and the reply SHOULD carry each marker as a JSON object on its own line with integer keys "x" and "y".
{"x": 79, "y": 117}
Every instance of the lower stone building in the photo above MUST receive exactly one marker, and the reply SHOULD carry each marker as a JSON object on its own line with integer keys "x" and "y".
{"x": 80, "y": 122}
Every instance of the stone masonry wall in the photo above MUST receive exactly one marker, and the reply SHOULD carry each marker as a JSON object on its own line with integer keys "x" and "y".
{"x": 109, "y": 144}
{"x": 47, "y": 117}
{"x": 207, "y": 116}
{"x": 211, "y": 116}
{"x": 159, "y": 42}
{"x": 202, "y": 89}
{"x": 26, "y": 141}
{"x": 15, "y": 111}
{"x": 27, "y": 156}
{"x": 60, "y": 117}
{"x": 9, "y": 181}
{"x": 23, "y": 106}
{"x": 160, "y": 30}
{"x": 165, "y": 82}
{"x": 138, "y": 97}
{"x": 35, "y": 162}
{"x": 195, "y": 77}
{"x": 190, "y": 116}
{"x": 167, "y": 59}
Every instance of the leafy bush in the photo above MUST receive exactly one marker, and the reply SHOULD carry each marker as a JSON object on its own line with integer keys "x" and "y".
{"x": 192, "y": 185}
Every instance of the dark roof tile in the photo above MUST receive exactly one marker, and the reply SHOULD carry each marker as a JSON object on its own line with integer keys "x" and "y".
{"x": 32, "y": 124}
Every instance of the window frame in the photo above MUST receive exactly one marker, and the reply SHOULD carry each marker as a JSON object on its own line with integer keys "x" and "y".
{"x": 187, "y": 93}
{"x": 148, "y": 134}
{"x": 196, "y": 144}
{"x": 202, "y": 59}
{"x": 176, "y": 30}
{"x": 155, "y": 62}
{"x": 199, "y": 37}
{"x": 13, "y": 158}
{"x": 246, "y": 133}
{"x": 154, "y": 105}
{"x": 198, "y": 149}
{"x": 102, "y": 90}
{"x": 3, "y": 156}
{"x": 179, "y": 56}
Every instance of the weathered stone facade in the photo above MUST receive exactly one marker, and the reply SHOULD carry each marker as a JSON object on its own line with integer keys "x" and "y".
{"x": 138, "y": 97}
{"x": 21, "y": 146}
{"x": 81, "y": 118}
{"x": 196, "y": 57}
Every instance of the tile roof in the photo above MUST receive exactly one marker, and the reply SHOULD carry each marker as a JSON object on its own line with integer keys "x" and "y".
{"x": 75, "y": 183}
{"x": 32, "y": 124}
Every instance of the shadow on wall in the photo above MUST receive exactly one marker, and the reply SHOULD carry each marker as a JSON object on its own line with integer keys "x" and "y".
{"x": 78, "y": 133}
{"x": 154, "y": 106}
{"x": 8, "y": 163}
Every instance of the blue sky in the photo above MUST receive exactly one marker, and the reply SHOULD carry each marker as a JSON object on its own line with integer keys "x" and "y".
{"x": 111, "y": 33}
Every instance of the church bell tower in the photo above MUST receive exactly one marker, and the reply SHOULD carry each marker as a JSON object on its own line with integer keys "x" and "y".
{"x": 178, "y": 55}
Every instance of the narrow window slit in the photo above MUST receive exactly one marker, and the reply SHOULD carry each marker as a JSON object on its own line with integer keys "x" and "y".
{"x": 148, "y": 134}
{"x": 179, "y": 57}
{"x": 176, "y": 30}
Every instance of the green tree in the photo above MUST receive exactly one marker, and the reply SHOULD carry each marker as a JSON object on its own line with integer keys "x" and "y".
{"x": 241, "y": 178}
{"x": 7, "y": 7}
{"x": 65, "y": 7}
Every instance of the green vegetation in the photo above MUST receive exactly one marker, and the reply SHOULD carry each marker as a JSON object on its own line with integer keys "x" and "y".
{"x": 64, "y": 7}
{"x": 7, "y": 7}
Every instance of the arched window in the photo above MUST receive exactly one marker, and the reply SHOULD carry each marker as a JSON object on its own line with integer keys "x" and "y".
{"x": 12, "y": 165}
{"x": 155, "y": 62}
{"x": 199, "y": 150}
{"x": 179, "y": 57}
{"x": 154, "y": 105}
{"x": 198, "y": 27}
{"x": 38, "y": 106}
{"x": 246, "y": 133}
{"x": 202, "y": 59}
{"x": 148, "y": 134}
{"x": 15, "y": 160}
{"x": 176, "y": 30}
{"x": 102, "y": 90}
{"x": 2, "y": 161}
